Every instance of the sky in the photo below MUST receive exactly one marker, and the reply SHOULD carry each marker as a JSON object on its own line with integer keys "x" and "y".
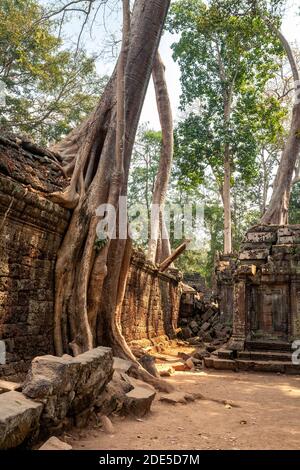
{"x": 100, "y": 32}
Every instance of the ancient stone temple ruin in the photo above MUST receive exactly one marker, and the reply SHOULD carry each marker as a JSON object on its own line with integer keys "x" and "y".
{"x": 32, "y": 228}
{"x": 41, "y": 393}
{"x": 265, "y": 301}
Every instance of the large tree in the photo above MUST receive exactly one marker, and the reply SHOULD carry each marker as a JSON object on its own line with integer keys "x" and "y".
{"x": 277, "y": 211}
{"x": 91, "y": 273}
{"x": 226, "y": 55}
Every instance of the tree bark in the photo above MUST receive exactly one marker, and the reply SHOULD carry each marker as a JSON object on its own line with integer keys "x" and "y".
{"x": 227, "y": 176}
{"x": 277, "y": 211}
{"x": 226, "y": 197}
{"x": 159, "y": 234}
{"x": 227, "y": 203}
{"x": 89, "y": 282}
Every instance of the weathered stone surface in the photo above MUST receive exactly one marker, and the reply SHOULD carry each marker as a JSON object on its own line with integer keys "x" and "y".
{"x": 264, "y": 228}
{"x": 19, "y": 419}
{"x": 68, "y": 386}
{"x": 138, "y": 401}
{"x": 200, "y": 353}
{"x": 113, "y": 396}
{"x": 261, "y": 237}
{"x": 196, "y": 341}
{"x": 53, "y": 443}
{"x": 137, "y": 383}
{"x": 6, "y": 386}
{"x": 186, "y": 333}
{"x": 122, "y": 365}
{"x": 205, "y": 326}
{"x": 32, "y": 228}
{"x": 190, "y": 363}
{"x": 254, "y": 254}
{"x": 207, "y": 315}
{"x": 266, "y": 302}
{"x": 207, "y": 338}
{"x": 194, "y": 326}
{"x": 179, "y": 366}
{"x": 151, "y": 303}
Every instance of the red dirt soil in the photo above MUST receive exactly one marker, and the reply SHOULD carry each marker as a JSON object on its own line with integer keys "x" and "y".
{"x": 265, "y": 415}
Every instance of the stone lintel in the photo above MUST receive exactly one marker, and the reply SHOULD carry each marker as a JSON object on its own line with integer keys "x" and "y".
{"x": 255, "y": 254}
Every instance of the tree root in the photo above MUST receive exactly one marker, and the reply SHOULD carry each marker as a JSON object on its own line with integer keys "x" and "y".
{"x": 159, "y": 384}
{"x": 67, "y": 199}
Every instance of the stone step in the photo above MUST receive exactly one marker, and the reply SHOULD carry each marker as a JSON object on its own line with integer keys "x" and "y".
{"x": 224, "y": 353}
{"x": 265, "y": 355}
{"x": 264, "y": 345}
{"x": 283, "y": 367}
{"x": 267, "y": 366}
{"x": 222, "y": 364}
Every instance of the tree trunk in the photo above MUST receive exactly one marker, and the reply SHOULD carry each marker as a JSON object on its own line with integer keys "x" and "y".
{"x": 172, "y": 257}
{"x": 277, "y": 211}
{"x": 159, "y": 233}
{"x": 227, "y": 203}
{"x": 227, "y": 177}
{"x": 90, "y": 278}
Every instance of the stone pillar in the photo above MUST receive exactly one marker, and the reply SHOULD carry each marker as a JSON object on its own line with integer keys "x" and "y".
{"x": 237, "y": 341}
{"x": 225, "y": 267}
{"x": 294, "y": 314}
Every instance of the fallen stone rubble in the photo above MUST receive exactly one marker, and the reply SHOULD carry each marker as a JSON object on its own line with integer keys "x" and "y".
{"x": 60, "y": 392}
{"x": 204, "y": 324}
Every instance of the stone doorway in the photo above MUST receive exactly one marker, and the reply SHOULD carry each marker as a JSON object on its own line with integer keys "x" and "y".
{"x": 268, "y": 313}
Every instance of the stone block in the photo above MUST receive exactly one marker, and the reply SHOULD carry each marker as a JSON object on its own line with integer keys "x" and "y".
{"x": 54, "y": 443}
{"x": 68, "y": 386}
{"x": 186, "y": 333}
{"x": 206, "y": 326}
{"x": 207, "y": 315}
{"x": 289, "y": 231}
{"x": 6, "y": 386}
{"x": 122, "y": 365}
{"x": 289, "y": 240}
{"x": 138, "y": 401}
{"x": 194, "y": 326}
{"x": 254, "y": 254}
{"x": 19, "y": 419}
{"x": 261, "y": 237}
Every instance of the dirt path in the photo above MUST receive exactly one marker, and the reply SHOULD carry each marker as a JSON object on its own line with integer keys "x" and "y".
{"x": 267, "y": 416}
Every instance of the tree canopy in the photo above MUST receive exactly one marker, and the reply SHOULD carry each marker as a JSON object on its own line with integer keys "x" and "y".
{"x": 50, "y": 88}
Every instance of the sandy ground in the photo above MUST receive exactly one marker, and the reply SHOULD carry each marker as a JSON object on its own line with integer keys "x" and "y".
{"x": 266, "y": 415}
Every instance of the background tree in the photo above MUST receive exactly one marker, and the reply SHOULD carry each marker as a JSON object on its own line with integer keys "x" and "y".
{"x": 50, "y": 88}
{"x": 144, "y": 167}
{"x": 159, "y": 246}
{"x": 226, "y": 56}
{"x": 294, "y": 207}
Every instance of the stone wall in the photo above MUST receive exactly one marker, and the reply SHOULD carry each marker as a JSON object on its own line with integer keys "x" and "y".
{"x": 151, "y": 303}
{"x": 32, "y": 229}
